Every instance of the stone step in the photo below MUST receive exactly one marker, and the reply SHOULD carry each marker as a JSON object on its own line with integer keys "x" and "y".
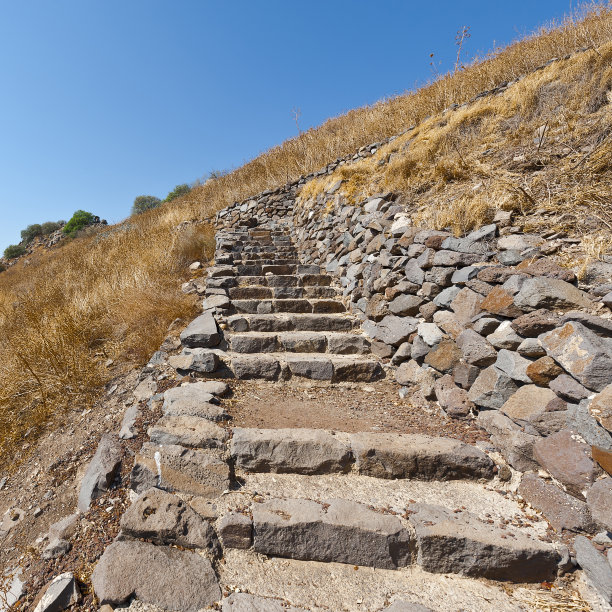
{"x": 262, "y": 270}
{"x": 312, "y": 366}
{"x": 378, "y": 455}
{"x": 282, "y": 280}
{"x": 340, "y": 343}
{"x": 291, "y": 322}
{"x": 267, "y": 306}
{"x": 439, "y": 539}
{"x": 270, "y": 261}
{"x": 263, "y": 291}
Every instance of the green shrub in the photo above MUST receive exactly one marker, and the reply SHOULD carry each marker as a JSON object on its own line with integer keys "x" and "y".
{"x": 51, "y": 226}
{"x": 14, "y": 250}
{"x": 79, "y": 220}
{"x": 177, "y": 192}
{"x": 145, "y": 202}
{"x": 30, "y": 232}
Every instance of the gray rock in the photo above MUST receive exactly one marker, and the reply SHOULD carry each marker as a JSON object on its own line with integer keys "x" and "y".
{"x": 128, "y": 424}
{"x": 302, "y": 451}
{"x": 404, "y": 352}
{"x": 198, "y": 360}
{"x": 445, "y": 297}
{"x": 165, "y": 518}
{"x": 455, "y": 258}
{"x": 414, "y": 273}
{"x": 452, "y": 399}
{"x": 527, "y": 402}
{"x": 551, "y": 293}
{"x": 569, "y": 388}
{"x": 596, "y": 567}
{"x": 599, "y": 500}
{"x": 311, "y": 367}
{"x": 245, "y": 602}
{"x": 463, "y": 275}
{"x": 504, "y": 337}
{"x": 56, "y": 548}
{"x": 59, "y": 594}
{"x": 459, "y": 543}
{"x": 411, "y": 373}
{"x": 516, "y": 446}
{"x": 513, "y": 365}
{"x": 101, "y": 472}
{"x": 519, "y": 242}
{"x": 417, "y": 456}
{"x": 510, "y": 258}
{"x": 466, "y": 305}
{"x": 59, "y": 534}
{"x": 405, "y": 305}
{"x": 261, "y": 367}
{"x": 582, "y": 353}
{"x": 236, "y": 530}
{"x": 561, "y": 510}
{"x": 401, "y": 605}
{"x": 165, "y": 577}
{"x": 580, "y": 420}
{"x": 486, "y": 325}
{"x": 174, "y": 468}
{"x": 391, "y": 330}
{"x": 332, "y": 530}
{"x": 201, "y": 332}
{"x": 530, "y": 347}
{"x": 567, "y": 460}
{"x": 192, "y": 400}
{"x": 430, "y": 333}
{"x": 601, "y": 326}
{"x": 492, "y": 388}
{"x": 189, "y": 431}
{"x": 475, "y": 349}
{"x": 465, "y": 374}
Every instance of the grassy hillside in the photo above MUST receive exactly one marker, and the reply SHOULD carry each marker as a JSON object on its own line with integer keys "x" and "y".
{"x": 113, "y": 294}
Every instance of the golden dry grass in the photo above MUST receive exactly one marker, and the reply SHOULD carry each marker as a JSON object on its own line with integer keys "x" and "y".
{"x": 113, "y": 294}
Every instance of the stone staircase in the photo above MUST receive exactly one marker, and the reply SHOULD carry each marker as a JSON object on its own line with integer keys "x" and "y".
{"x": 281, "y": 319}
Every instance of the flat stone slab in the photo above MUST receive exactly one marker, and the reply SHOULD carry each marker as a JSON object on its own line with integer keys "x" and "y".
{"x": 249, "y": 367}
{"x": 59, "y": 594}
{"x": 201, "y": 332}
{"x": 416, "y": 456}
{"x": 175, "y": 468}
{"x": 596, "y": 567}
{"x": 334, "y": 530}
{"x": 165, "y": 518}
{"x": 599, "y": 499}
{"x": 190, "y": 431}
{"x": 193, "y": 400}
{"x": 460, "y": 543}
{"x": 166, "y": 577}
{"x": 561, "y": 510}
{"x": 301, "y": 451}
{"x": 529, "y": 401}
{"x": 245, "y": 602}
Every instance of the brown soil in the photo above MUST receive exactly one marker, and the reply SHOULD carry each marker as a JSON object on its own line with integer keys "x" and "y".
{"x": 374, "y": 407}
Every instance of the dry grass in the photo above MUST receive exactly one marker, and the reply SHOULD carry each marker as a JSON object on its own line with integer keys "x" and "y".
{"x": 107, "y": 296}
{"x": 112, "y": 295}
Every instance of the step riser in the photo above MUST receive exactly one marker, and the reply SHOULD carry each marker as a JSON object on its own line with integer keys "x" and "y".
{"x": 349, "y": 345}
{"x": 279, "y": 293}
{"x": 299, "y": 306}
{"x": 264, "y": 323}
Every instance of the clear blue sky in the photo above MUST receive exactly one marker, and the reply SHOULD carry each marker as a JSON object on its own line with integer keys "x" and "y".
{"x": 104, "y": 100}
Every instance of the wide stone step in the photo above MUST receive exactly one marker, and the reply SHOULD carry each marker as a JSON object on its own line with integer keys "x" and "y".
{"x": 291, "y": 322}
{"x": 378, "y": 455}
{"x": 439, "y": 539}
{"x": 299, "y": 342}
{"x": 280, "y": 280}
{"x": 298, "y": 305}
{"x": 283, "y": 366}
{"x": 270, "y": 261}
{"x": 262, "y": 270}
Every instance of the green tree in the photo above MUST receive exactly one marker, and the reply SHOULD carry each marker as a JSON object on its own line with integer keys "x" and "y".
{"x": 79, "y": 220}
{"x": 144, "y": 202}
{"x": 14, "y": 250}
{"x": 29, "y": 233}
{"x": 48, "y": 227}
{"x": 177, "y": 192}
